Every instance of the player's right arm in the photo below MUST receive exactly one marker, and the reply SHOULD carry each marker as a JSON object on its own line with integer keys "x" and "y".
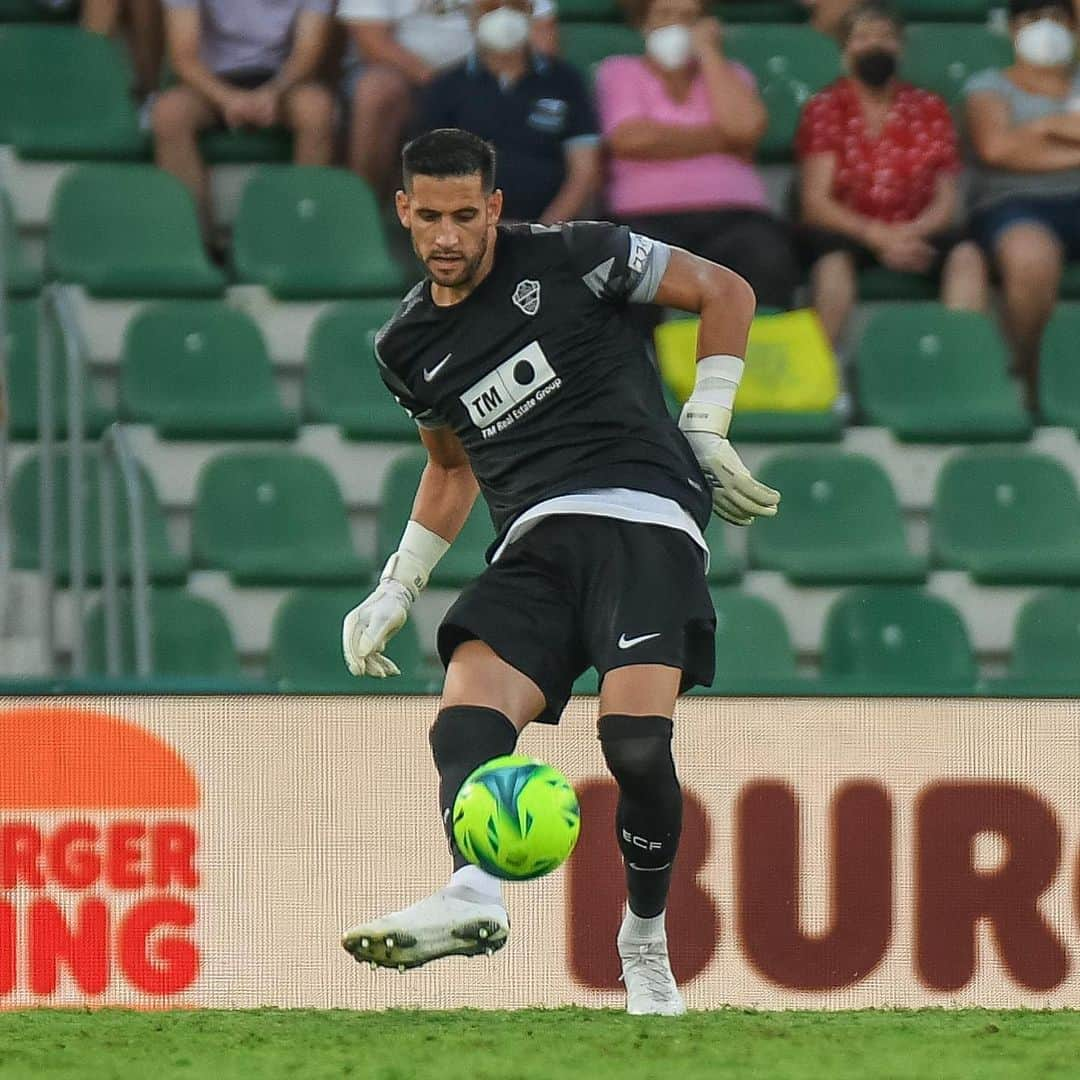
{"x": 444, "y": 498}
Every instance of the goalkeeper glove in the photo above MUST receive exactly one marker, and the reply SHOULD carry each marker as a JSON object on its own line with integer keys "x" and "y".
{"x": 370, "y": 625}
{"x": 706, "y": 417}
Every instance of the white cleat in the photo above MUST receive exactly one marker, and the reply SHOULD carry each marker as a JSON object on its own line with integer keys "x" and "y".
{"x": 650, "y": 985}
{"x": 455, "y": 921}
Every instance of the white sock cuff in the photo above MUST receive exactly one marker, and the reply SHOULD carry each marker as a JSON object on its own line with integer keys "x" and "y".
{"x": 478, "y": 880}
{"x": 635, "y": 928}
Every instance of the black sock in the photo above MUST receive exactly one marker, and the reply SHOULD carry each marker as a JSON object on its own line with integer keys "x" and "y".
{"x": 462, "y": 738}
{"x": 648, "y": 820}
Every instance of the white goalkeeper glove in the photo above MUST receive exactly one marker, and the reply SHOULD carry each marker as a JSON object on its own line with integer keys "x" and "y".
{"x": 370, "y": 625}
{"x": 706, "y": 417}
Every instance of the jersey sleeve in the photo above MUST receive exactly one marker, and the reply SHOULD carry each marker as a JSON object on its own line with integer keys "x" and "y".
{"x": 617, "y": 265}
{"x": 424, "y": 415}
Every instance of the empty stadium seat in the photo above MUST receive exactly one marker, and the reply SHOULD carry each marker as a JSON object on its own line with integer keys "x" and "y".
{"x": 189, "y": 638}
{"x": 896, "y": 641}
{"x": 753, "y": 648}
{"x": 943, "y": 58}
{"x": 164, "y": 565}
{"x": 35, "y": 10}
{"x": 306, "y": 654}
{"x": 20, "y": 278}
{"x": 590, "y": 11}
{"x": 1046, "y": 648}
{"x": 22, "y": 361}
{"x": 947, "y": 10}
{"x": 1059, "y": 373}
{"x": 64, "y": 94}
{"x": 1070, "y": 282}
{"x": 934, "y": 375}
{"x": 246, "y": 146}
{"x": 128, "y": 230}
{"x": 839, "y": 523}
{"x": 790, "y": 63}
{"x": 465, "y": 559}
{"x": 273, "y": 518}
{"x": 1007, "y": 518}
{"x": 585, "y": 44}
{"x": 309, "y": 233}
{"x": 200, "y": 370}
{"x": 724, "y": 568}
{"x": 757, "y": 11}
{"x": 341, "y": 381}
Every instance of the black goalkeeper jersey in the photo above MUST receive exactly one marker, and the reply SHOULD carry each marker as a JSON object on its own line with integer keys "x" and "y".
{"x": 541, "y": 377}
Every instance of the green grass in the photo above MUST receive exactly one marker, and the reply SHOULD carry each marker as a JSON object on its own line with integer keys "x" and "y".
{"x": 539, "y": 1045}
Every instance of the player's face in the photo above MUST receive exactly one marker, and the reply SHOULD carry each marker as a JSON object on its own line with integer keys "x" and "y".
{"x": 450, "y": 220}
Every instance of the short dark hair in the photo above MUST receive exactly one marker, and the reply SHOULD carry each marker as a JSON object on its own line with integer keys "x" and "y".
{"x": 449, "y": 152}
{"x": 869, "y": 9}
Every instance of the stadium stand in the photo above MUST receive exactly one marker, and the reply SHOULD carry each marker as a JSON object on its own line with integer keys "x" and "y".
{"x": 21, "y": 278}
{"x": 1046, "y": 647}
{"x": 1059, "y": 377}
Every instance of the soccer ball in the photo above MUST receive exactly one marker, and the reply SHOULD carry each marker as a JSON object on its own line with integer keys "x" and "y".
{"x": 516, "y": 818}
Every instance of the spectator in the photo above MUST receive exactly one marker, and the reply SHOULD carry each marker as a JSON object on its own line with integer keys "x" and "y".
{"x": 243, "y": 63}
{"x": 144, "y": 34}
{"x": 1025, "y": 195}
{"x": 828, "y": 15}
{"x": 682, "y": 124}
{"x": 879, "y": 171}
{"x": 534, "y": 108}
{"x": 397, "y": 47}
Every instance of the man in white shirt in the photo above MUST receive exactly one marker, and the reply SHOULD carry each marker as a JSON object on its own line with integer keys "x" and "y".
{"x": 396, "y": 47}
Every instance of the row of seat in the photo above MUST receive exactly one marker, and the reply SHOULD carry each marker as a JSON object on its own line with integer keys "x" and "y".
{"x": 97, "y": 119}
{"x": 278, "y": 518}
{"x": 200, "y": 370}
{"x": 877, "y": 640}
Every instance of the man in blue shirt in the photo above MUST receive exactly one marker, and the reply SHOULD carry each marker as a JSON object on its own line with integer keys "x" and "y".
{"x": 534, "y": 108}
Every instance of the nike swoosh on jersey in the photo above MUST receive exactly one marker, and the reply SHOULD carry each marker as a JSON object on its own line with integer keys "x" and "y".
{"x": 629, "y": 643}
{"x": 429, "y": 375}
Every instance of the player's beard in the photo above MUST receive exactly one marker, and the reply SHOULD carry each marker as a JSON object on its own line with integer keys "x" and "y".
{"x": 468, "y": 267}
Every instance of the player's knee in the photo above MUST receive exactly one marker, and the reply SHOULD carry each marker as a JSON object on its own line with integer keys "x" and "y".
{"x": 637, "y": 750}
{"x": 460, "y": 729}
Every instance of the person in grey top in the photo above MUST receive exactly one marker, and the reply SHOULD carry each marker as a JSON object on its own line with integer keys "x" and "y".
{"x": 1024, "y": 126}
{"x": 243, "y": 64}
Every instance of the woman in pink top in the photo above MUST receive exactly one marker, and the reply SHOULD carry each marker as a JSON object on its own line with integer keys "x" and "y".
{"x": 681, "y": 126}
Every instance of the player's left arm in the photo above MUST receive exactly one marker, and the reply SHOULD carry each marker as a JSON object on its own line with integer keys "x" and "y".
{"x": 726, "y": 305}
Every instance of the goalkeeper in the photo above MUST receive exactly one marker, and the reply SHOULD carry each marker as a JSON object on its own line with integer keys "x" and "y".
{"x": 515, "y": 358}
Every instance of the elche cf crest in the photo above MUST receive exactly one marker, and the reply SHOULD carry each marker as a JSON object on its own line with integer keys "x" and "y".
{"x": 527, "y": 296}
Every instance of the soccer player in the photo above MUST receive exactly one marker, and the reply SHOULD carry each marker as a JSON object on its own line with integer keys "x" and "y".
{"x": 515, "y": 358}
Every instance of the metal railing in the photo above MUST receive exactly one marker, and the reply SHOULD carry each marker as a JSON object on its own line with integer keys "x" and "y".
{"x": 116, "y": 452}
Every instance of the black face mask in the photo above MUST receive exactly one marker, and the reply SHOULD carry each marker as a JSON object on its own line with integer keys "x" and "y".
{"x": 876, "y": 67}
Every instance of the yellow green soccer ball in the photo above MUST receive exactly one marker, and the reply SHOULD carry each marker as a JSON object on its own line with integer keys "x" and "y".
{"x": 516, "y": 818}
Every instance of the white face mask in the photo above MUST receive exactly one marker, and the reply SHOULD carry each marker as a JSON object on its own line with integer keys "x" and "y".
{"x": 670, "y": 46}
{"x": 502, "y": 30}
{"x": 1045, "y": 43}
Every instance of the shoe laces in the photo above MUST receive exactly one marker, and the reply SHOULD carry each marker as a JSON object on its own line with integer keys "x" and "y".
{"x": 650, "y": 967}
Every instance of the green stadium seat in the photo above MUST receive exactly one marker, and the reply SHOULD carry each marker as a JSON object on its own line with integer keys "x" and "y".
{"x": 341, "y": 381}
{"x": 934, "y": 375}
{"x": 35, "y": 10}
{"x": 590, "y": 11}
{"x": 585, "y": 44}
{"x": 64, "y": 94}
{"x": 724, "y": 568}
{"x": 22, "y": 328}
{"x": 200, "y": 370}
{"x": 273, "y": 518}
{"x": 758, "y": 11}
{"x": 1046, "y": 648}
{"x": 972, "y": 11}
{"x": 839, "y": 523}
{"x": 753, "y": 648}
{"x": 130, "y": 231}
{"x": 587, "y": 684}
{"x": 880, "y": 283}
{"x": 189, "y": 637}
{"x": 1008, "y": 518}
{"x": 1070, "y": 282}
{"x": 896, "y": 641}
{"x": 246, "y": 146}
{"x": 790, "y": 63}
{"x": 20, "y": 278}
{"x": 465, "y": 559}
{"x": 772, "y": 427}
{"x": 943, "y": 58}
{"x": 310, "y": 233}
{"x": 1059, "y": 373}
{"x": 305, "y": 649}
{"x": 163, "y": 564}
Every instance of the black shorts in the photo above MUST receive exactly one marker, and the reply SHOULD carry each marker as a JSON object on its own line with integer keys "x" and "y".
{"x": 578, "y": 590}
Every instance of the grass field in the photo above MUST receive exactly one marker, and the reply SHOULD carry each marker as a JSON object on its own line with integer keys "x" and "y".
{"x": 539, "y": 1045}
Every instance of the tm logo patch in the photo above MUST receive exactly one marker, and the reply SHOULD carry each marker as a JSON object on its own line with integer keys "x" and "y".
{"x": 510, "y": 391}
